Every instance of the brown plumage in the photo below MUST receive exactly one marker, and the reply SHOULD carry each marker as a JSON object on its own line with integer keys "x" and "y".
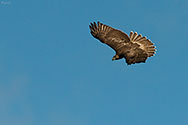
{"x": 134, "y": 48}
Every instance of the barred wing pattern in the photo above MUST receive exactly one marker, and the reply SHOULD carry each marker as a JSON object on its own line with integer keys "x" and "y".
{"x": 143, "y": 42}
{"x": 108, "y": 35}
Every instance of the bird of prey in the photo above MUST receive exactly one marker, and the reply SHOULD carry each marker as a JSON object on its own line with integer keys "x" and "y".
{"x": 134, "y": 48}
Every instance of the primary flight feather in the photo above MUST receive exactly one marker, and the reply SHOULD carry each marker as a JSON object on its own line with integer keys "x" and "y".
{"x": 134, "y": 48}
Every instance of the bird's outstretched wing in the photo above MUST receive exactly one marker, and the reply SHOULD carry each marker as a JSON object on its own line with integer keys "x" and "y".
{"x": 141, "y": 49}
{"x": 108, "y": 35}
{"x": 144, "y": 43}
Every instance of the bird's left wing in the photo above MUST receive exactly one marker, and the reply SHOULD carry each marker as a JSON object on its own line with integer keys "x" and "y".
{"x": 108, "y": 35}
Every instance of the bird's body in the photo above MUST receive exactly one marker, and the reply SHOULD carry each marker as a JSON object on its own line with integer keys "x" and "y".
{"x": 134, "y": 48}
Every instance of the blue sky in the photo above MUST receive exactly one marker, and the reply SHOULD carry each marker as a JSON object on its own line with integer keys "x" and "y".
{"x": 53, "y": 72}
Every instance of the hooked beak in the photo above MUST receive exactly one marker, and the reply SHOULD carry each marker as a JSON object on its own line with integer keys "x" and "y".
{"x": 113, "y": 58}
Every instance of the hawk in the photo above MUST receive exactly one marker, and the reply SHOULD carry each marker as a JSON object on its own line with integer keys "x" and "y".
{"x": 134, "y": 48}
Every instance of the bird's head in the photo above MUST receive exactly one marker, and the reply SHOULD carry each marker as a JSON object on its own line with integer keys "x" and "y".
{"x": 116, "y": 57}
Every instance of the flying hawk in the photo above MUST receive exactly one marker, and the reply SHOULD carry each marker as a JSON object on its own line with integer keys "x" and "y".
{"x": 134, "y": 48}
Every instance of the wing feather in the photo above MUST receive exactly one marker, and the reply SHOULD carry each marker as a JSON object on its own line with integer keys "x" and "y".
{"x": 108, "y": 35}
{"x": 138, "y": 37}
{"x": 145, "y": 44}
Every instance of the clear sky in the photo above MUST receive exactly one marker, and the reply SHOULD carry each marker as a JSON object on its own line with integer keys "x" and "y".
{"x": 53, "y": 72}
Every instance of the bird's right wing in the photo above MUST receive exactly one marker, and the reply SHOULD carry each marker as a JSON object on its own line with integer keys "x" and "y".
{"x": 144, "y": 43}
{"x": 108, "y": 35}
